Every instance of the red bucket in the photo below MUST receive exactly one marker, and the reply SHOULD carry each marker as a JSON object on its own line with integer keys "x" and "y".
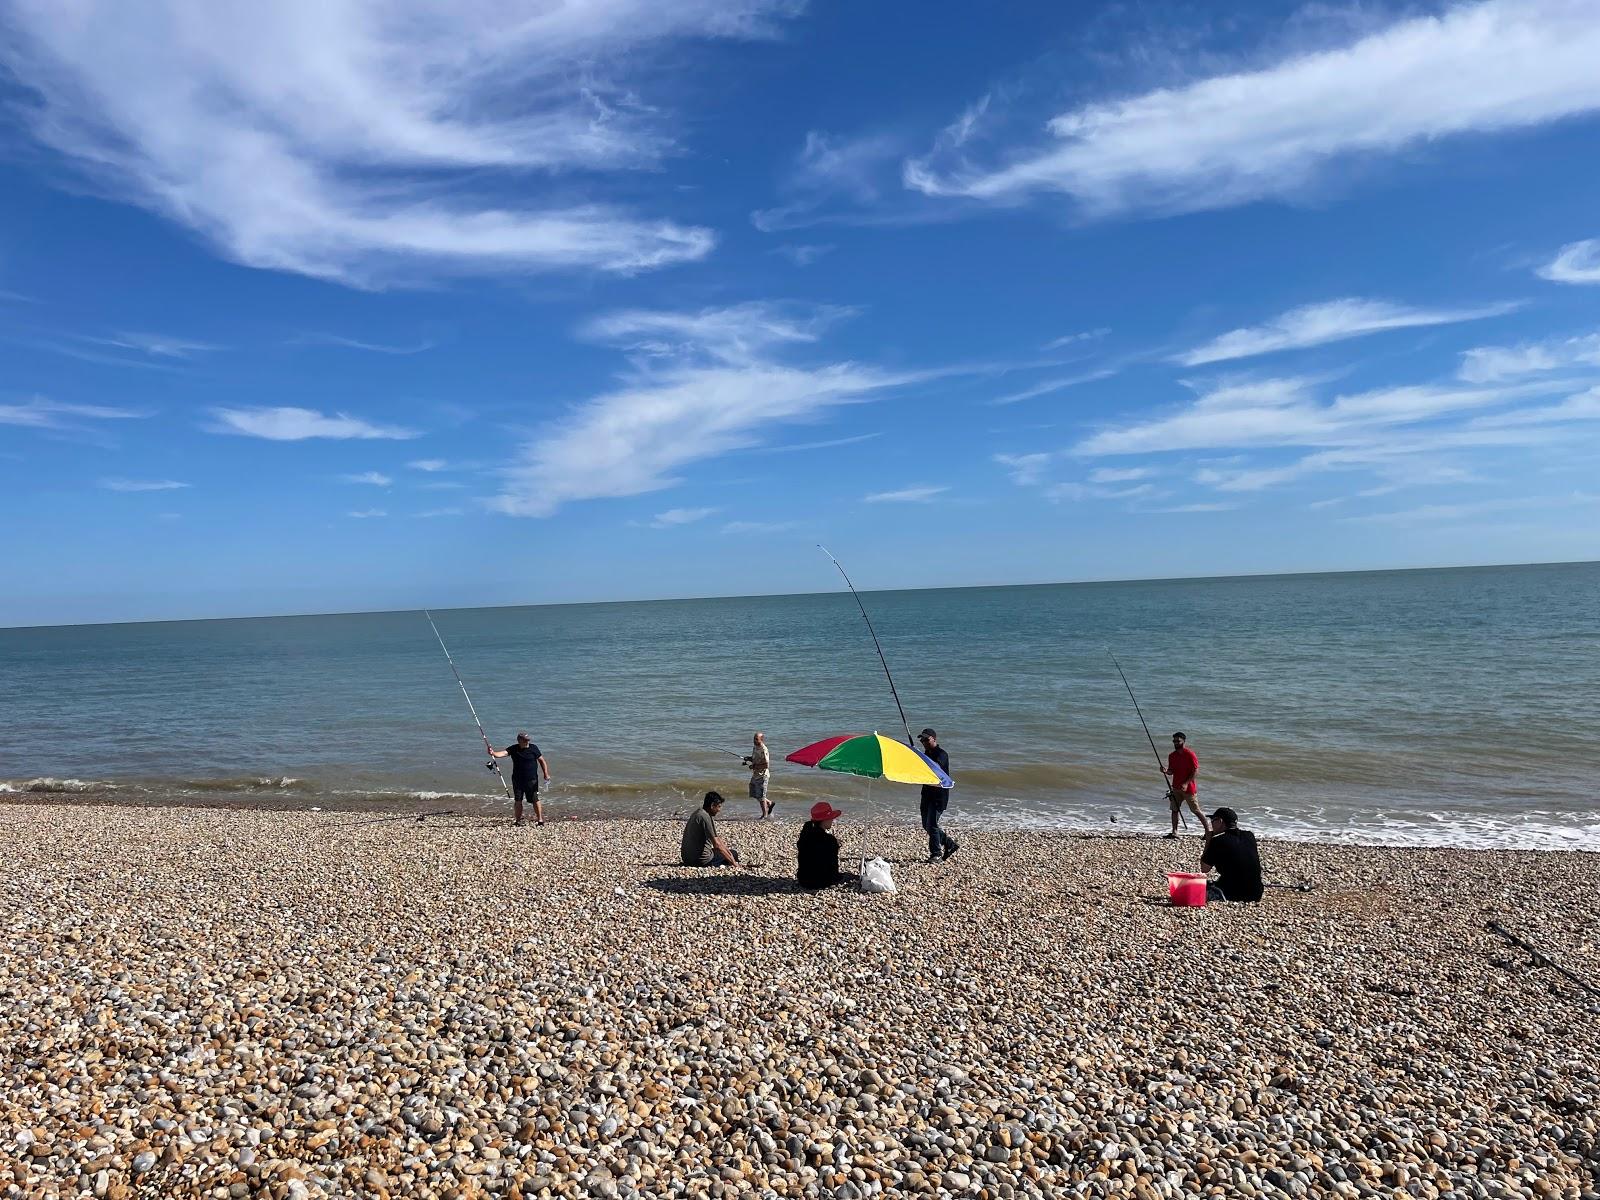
{"x": 1186, "y": 889}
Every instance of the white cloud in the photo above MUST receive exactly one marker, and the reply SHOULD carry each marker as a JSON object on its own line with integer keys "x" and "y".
{"x": 1494, "y": 364}
{"x": 703, "y": 384}
{"x": 825, "y": 444}
{"x": 804, "y": 255}
{"x": 363, "y": 514}
{"x": 428, "y": 464}
{"x": 1577, "y": 262}
{"x": 443, "y": 512}
{"x": 1076, "y": 339}
{"x": 374, "y": 478}
{"x": 1026, "y": 469}
{"x": 1053, "y": 385}
{"x": 680, "y": 516}
{"x": 1119, "y": 474}
{"x": 1280, "y": 131}
{"x": 740, "y": 333}
{"x": 1284, "y": 412}
{"x": 1331, "y": 321}
{"x": 829, "y": 167}
{"x": 156, "y": 345}
{"x": 1583, "y": 407}
{"x": 1478, "y": 508}
{"x": 334, "y": 339}
{"x": 367, "y": 140}
{"x": 919, "y": 494}
{"x": 297, "y": 424}
{"x": 39, "y": 413}
{"x": 141, "y": 485}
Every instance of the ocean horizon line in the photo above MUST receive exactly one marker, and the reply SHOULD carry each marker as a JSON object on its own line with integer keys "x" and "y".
{"x": 886, "y": 591}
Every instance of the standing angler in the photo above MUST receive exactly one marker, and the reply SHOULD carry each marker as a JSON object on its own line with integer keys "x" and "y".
{"x": 526, "y": 765}
{"x": 1183, "y": 764}
{"x": 759, "y": 760}
{"x": 934, "y": 801}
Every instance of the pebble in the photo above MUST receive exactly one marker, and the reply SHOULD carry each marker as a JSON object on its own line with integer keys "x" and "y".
{"x": 239, "y": 1004}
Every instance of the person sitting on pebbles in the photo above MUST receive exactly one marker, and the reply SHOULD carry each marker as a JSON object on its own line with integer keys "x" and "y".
{"x": 819, "y": 849}
{"x": 702, "y": 844}
{"x": 1232, "y": 853}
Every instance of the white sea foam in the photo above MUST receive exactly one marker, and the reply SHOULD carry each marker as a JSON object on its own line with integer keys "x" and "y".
{"x": 49, "y": 785}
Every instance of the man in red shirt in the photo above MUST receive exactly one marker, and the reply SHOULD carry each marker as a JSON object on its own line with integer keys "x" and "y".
{"x": 1182, "y": 766}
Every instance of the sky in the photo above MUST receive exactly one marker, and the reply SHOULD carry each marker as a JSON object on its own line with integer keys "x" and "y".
{"x": 330, "y": 305}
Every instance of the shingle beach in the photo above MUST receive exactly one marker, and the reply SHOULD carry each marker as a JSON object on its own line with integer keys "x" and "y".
{"x": 238, "y": 1003}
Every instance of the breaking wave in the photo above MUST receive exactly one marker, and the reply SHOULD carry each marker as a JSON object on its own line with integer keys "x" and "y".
{"x": 55, "y": 786}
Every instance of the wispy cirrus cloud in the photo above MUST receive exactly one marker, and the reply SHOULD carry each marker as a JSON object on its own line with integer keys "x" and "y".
{"x": 857, "y": 170}
{"x": 156, "y": 345}
{"x": 363, "y": 514}
{"x": 1026, "y": 469}
{"x": 1577, "y": 262}
{"x": 428, "y": 465}
{"x": 349, "y": 343}
{"x": 365, "y": 141}
{"x": 674, "y": 517}
{"x": 1494, "y": 364}
{"x": 1278, "y": 131}
{"x": 1050, "y": 386}
{"x": 370, "y": 478}
{"x": 702, "y": 383}
{"x": 1288, "y": 412}
{"x": 141, "y": 485}
{"x": 917, "y": 494}
{"x": 289, "y": 424}
{"x": 1330, "y": 321}
{"x": 40, "y": 413}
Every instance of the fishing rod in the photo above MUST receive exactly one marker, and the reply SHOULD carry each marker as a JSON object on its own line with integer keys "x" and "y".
{"x": 894, "y": 690}
{"x": 1540, "y": 958}
{"x": 488, "y": 748}
{"x": 720, "y": 750}
{"x": 1147, "y": 736}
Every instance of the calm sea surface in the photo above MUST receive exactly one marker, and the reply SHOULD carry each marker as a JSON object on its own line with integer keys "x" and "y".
{"x": 1426, "y": 707}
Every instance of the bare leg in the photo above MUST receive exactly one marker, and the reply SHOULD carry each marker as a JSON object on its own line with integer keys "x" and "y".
{"x": 517, "y": 808}
{"x": 538, "y": 810}
{"x": 1194, "y": 807}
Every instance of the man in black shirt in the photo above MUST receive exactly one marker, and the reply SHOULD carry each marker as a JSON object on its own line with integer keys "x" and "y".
{"x": 1231, "y": 852}
{"x": 935, "y": 800}
{"x": 526, "y": 765}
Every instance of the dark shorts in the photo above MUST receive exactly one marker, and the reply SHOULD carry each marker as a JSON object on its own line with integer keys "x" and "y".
{"x": 525, "y": 789}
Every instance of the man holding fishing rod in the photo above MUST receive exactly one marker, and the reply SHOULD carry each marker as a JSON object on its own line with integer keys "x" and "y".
{"x": 1183, "y": 764}
{"x": 526, "y": 765}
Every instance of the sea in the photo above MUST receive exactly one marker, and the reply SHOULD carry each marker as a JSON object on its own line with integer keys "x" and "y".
{"x": 1428, "y": 707}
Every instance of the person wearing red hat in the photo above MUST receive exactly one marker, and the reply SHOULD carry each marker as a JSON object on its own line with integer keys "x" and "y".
{"x": 819, "y": 849}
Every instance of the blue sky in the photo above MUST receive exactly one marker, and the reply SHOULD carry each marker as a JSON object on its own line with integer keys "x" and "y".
{"x": 357, "y": 305}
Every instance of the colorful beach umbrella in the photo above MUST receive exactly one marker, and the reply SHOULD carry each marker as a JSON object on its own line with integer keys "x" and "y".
{"x": 874, "y": 756}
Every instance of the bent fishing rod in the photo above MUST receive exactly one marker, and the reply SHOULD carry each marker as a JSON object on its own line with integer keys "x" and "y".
{"x": 487, "y": 746}
{"x": 877, "y": 644}
{"x": 1159, "y": 765}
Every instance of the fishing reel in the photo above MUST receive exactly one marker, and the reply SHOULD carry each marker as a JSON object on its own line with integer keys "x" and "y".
{"x": 491, "y": 765}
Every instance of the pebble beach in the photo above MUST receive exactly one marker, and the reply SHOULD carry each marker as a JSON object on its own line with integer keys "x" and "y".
{"x": 236, "y": 1003}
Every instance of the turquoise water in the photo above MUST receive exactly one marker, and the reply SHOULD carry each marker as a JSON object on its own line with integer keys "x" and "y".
{"x": 1430, "y": 707}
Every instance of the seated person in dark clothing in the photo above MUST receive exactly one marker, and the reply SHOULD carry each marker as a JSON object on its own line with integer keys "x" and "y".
{"x": 702, "y": 844}
{"x": 819, "y": 849}
{"x": 1231, "y": 852}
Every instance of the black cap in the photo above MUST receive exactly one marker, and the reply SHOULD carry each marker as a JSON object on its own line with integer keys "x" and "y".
{"x": 928, "y": 733}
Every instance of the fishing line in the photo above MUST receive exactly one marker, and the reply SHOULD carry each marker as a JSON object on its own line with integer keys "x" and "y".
{"x": 877, "y": 644}
{"x": 488, "y": 748}
{"x": 1147, "y": 737}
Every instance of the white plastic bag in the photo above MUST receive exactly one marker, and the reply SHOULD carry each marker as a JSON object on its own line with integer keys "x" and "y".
{"x": 876, "y": 876}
